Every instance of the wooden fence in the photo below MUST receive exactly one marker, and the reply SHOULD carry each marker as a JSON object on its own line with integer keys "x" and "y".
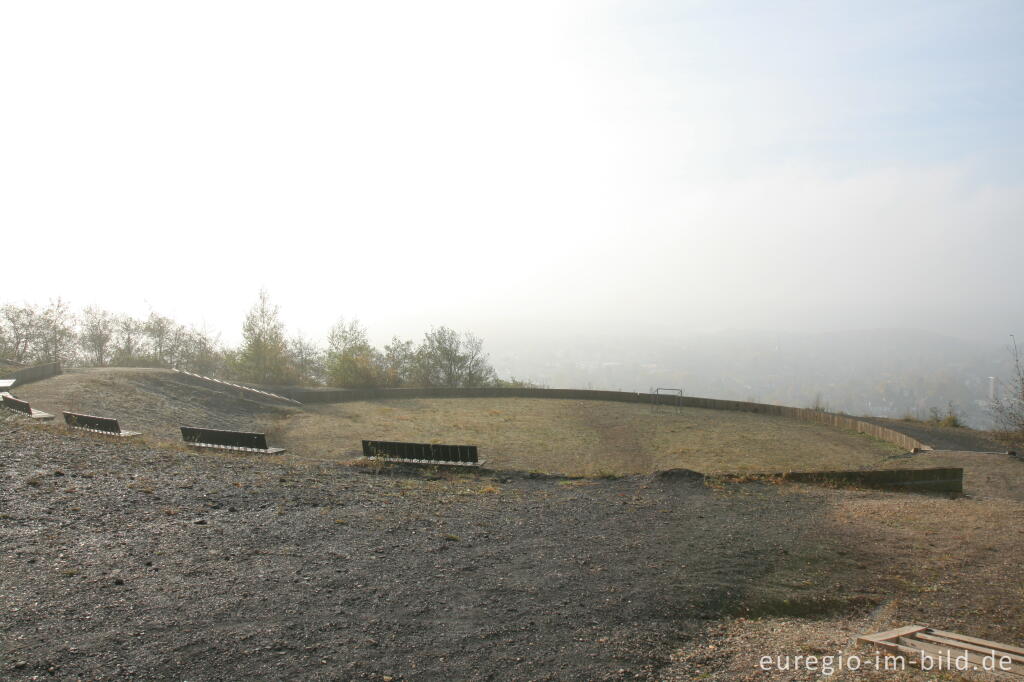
{"x": 30, "y": 374}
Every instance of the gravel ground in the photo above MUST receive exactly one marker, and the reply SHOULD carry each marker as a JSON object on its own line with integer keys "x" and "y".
{"x": 128, "y": 561}
{"x": 943, "y": 438}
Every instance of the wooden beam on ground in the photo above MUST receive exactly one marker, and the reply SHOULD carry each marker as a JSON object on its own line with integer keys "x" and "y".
{"x": 947, "y": 651}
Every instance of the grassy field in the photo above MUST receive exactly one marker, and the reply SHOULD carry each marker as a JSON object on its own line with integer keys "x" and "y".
{"x": 553, "y": 436}
{"x": 583, "y": 437}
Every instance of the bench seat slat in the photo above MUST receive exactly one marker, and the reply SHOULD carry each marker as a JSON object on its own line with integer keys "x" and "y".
{"x": 430, "y": 462}
{"x": 262, "y": 451}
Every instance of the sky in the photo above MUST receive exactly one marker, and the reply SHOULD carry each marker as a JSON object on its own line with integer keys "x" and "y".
{"x": 560, "y": 167}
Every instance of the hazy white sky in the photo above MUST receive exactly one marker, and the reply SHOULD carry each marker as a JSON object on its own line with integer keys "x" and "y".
{"x": 659, "y": 166}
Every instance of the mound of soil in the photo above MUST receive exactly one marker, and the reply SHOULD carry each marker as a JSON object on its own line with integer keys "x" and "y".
{"x": 153, "y": 401}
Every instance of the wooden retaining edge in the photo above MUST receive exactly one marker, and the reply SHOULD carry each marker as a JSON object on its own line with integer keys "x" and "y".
{"x": 938, "y": 479}
{"x": 27, "y": 375}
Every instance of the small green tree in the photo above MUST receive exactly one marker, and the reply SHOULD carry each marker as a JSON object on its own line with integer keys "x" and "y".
{"x": 263, "y": 357}
{"x": 351, "y": 361}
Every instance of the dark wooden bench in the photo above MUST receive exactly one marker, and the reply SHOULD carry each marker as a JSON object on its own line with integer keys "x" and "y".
{"x": 104, "y": 425}
{"x": 240, "y": 441}
{"x": 10, "y": 402}
{"x": 421, "y": 453}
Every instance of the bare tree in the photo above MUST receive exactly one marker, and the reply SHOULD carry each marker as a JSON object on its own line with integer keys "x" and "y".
{"x": 1008, "y": 409}
{"x": 158, "y": 330}
{"x": 129, "y": 337}
{"x": 446, "y": 358}
{"x": 57, "y": 333}
{"x": 178, "y": 339}
{"x": 397, "y": 363}
{"x": 199, "y": 351}
{"x": 22, "y": 325}
{"x": 307, "y": 360}
{"x": 98, "y": 327}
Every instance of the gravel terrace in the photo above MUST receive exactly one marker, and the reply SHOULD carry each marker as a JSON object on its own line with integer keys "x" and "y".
{"x": 126, "y": 561}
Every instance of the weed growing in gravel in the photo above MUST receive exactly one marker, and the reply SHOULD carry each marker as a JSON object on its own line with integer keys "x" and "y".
{"x": 576, "y": 482}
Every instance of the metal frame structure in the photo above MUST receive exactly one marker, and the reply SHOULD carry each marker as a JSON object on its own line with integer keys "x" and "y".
{"x": 678, "y": 392}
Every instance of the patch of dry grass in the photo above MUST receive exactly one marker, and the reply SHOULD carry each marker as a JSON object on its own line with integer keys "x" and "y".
{"x": 586, "y": 438}
{"x": 986, "y": 475}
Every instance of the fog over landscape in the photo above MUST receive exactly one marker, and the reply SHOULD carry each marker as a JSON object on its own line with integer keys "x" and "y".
{"x": 786, "y": 203}
{"x": 407, "y": 341}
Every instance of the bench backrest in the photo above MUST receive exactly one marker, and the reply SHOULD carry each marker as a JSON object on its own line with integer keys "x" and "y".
{"x": 86, "y": 421}
{"x": 229, "y": 439}
{"x": 429, "y": 451}
{"x": 15, "y": 404}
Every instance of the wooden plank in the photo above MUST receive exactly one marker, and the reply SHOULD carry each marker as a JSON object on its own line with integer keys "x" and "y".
{"x": 982, "y": 662}
{"x": 951, "y": 642}
{"x": 914, "y": 642}
{"x": 891, "y": 634}
{"x": 941, "y": 652}
{"x": 975, "y": 640}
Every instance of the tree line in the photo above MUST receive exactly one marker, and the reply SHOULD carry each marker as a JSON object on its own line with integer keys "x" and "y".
{"x": 267, "y": 355}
